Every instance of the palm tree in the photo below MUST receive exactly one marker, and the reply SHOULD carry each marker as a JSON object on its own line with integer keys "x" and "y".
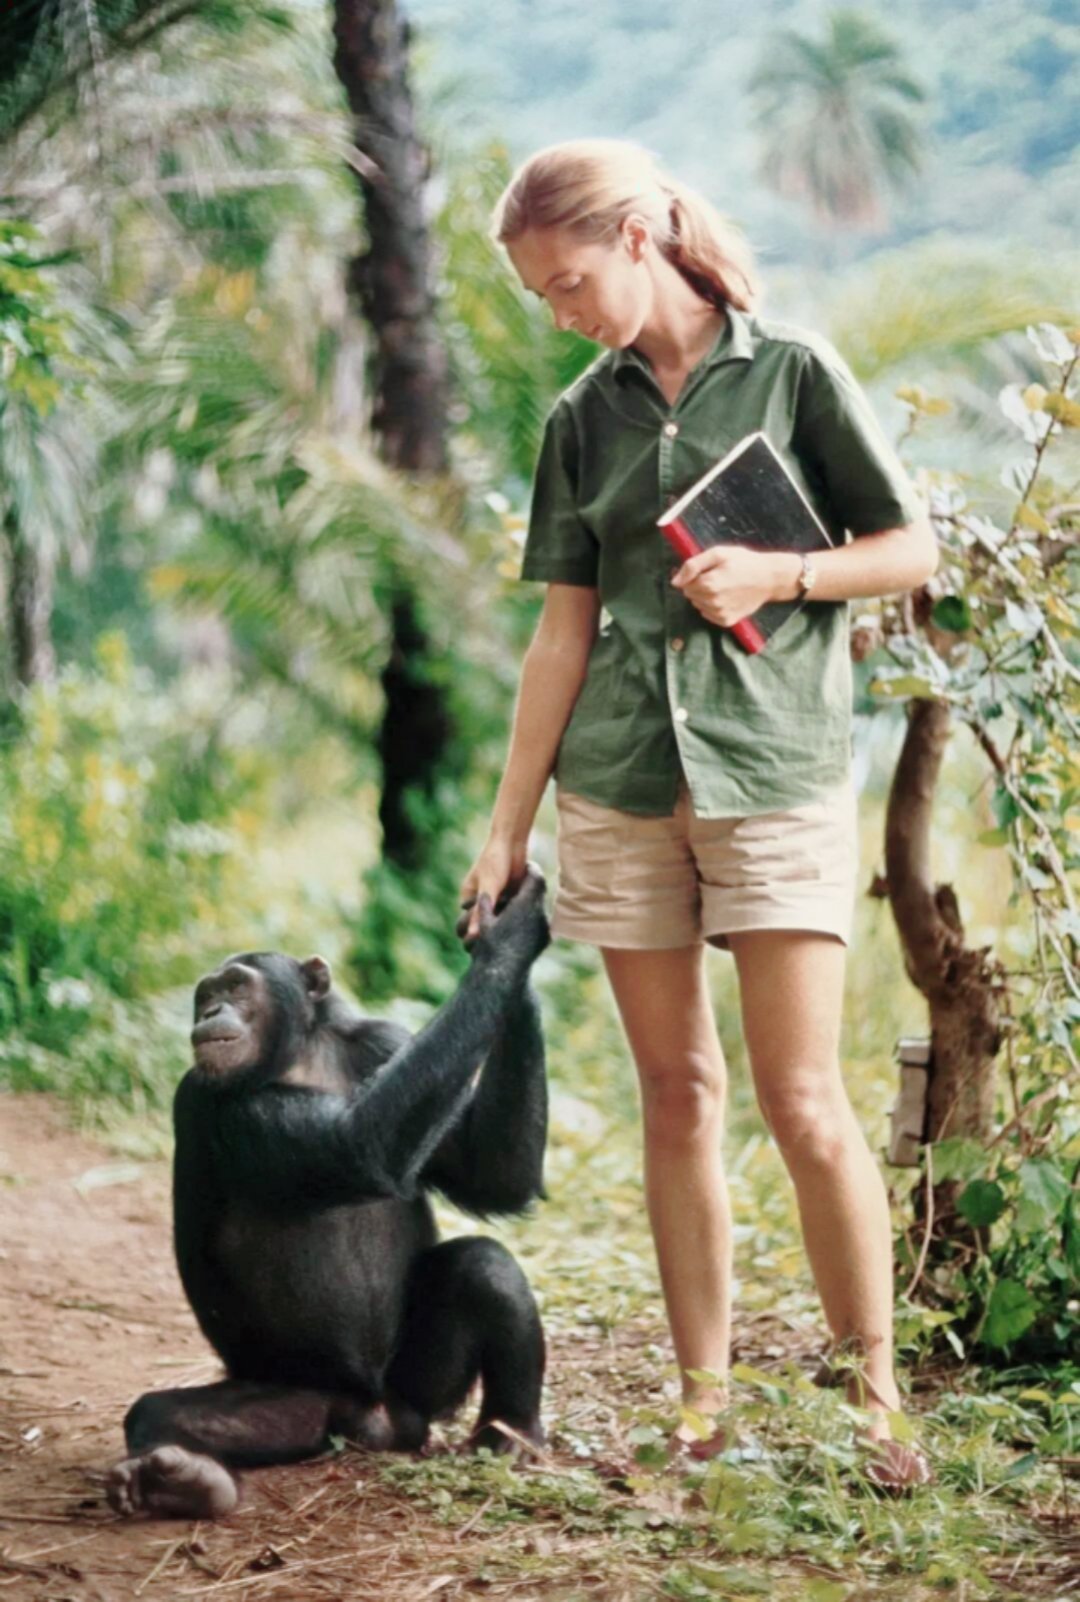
{"x": 836, "y": 119}
{"x": 45, "y": 455}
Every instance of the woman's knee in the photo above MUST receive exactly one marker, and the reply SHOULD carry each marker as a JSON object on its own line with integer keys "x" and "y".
{"x": 683, "y": 1100}
{"x": 811, "y": 1123}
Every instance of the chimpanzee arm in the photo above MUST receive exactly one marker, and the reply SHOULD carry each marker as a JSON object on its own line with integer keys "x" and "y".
{"x": 492, "y": 1160}
{"x": 414, "y": 1100}
{"x": 196, "y": 1193}
{"x": 285, "y": 1142}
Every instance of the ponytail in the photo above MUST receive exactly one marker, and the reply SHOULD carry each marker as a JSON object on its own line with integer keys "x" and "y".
{"x": 589, "y": 186}
{"x": 712, "y": 254}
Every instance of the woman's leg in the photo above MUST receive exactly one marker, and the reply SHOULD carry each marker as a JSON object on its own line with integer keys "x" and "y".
{"x": 791, "y": 986}
{"x": 669, "y": 1023}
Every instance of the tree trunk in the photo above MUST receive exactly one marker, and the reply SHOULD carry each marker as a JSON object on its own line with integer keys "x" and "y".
{"x": 29, "y": 606}
{"x": 961, "y": 985}
{"x": 392, "y": 278}
{"x": 391, "y": 282}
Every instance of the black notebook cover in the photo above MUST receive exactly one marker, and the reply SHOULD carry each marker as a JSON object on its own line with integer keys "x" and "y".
{"x": 750, "y": 498}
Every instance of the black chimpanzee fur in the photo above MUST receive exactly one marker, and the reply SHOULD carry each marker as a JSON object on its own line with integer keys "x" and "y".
{"x": 307, "y": 1138}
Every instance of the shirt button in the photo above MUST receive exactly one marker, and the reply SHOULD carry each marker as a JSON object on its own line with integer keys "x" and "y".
{"x": 671, "y": 429}
{"x": 681, "y": 714}
{"x": 677, "y": 645}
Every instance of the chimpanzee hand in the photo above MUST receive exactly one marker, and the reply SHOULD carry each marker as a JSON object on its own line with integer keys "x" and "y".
{"x": 516, "y": 931}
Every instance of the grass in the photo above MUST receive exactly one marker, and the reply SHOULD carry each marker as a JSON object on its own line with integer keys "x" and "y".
{"x": 789, "y": 1515}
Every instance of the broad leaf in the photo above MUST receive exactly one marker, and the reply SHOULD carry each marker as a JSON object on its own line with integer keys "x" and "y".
{"x": 982, "y": 1202}
{"x": 1010, "y": 1311}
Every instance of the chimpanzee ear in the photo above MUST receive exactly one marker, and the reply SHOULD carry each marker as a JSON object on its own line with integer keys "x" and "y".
{"x": 317, "y": 976}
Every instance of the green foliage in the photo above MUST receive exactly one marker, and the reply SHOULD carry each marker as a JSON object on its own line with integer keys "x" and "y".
{"x": 792, "y": 1494}
{"x": 120, "y": 823}
{"x": 102, "y": 1053}
{"x": 1001, "y": 646}
{"x": 47, "y": 49}
{"x": 939, "y": 298}
{"x": 33, "y": 335}
{"x": 509, "y": 361}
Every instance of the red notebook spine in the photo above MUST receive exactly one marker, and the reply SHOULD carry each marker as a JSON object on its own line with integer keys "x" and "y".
{"x": 685, "y": 545}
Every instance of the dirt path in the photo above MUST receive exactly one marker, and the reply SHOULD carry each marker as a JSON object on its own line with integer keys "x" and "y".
{"x": 92, "y": 1313}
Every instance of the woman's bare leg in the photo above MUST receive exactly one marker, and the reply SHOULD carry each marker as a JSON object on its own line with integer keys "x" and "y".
{"x": 668, "y": 1019}
{"x": 791, "y": 984}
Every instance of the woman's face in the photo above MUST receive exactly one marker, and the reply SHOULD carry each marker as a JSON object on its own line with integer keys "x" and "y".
{"x": 603, "y": 291}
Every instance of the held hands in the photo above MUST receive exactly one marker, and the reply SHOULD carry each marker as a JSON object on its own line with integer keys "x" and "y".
{"x": 500, "y": 866}
{"x": 729, "y": 582}
{"x": 516, "y": 926}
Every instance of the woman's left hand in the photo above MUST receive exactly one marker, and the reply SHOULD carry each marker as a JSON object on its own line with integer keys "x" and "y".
{"x": 728, "y": 582}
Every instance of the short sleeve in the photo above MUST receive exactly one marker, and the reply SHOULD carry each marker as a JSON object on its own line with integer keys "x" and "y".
{"x": 863, "y": 478}
{"x": 558, "y": 546}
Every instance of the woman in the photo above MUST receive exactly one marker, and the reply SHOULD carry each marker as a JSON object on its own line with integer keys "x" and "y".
{"x": 704, "y": 795}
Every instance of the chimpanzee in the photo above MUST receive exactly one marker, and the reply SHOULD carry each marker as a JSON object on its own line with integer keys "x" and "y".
{"x": 307, "y": 1138}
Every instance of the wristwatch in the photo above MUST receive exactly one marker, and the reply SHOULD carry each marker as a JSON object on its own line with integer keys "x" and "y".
{"x": 807, "y": 575}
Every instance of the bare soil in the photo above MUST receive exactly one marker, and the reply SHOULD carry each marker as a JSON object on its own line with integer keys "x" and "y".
{"x": 92, "y": 1314}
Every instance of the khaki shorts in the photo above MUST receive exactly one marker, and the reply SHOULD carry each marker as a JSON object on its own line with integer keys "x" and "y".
{"x": 652, "y": 883}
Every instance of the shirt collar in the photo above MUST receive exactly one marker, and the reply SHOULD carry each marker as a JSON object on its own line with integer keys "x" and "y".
{"x": 734, "y": 343}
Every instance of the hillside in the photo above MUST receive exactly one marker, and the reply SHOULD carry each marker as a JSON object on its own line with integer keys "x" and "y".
{"x": 1003, "y": 127}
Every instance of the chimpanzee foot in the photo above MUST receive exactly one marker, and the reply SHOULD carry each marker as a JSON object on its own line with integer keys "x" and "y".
{"x": 171, "y": 1482}
{"x": 517, "y": 1441}
{"x": 391, "y": 1426}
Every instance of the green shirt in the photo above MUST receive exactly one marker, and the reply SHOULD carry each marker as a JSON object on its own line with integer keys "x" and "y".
{"x": 666, "y": 692}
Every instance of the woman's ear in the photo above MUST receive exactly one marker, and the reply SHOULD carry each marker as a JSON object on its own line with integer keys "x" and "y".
{"x": 634, "y": 232}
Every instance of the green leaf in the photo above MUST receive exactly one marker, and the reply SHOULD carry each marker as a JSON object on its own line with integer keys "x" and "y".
{"x": 981, "y": 1202}
{"x": 643, "y": 1435}
{"x": 823, "y": 1591}
{"x": 904, "y": 684}
{"x": 992, "y": 837}
{"x": 1011, "y": 1310}
{"x": 952, "y": 612}
{"x": 1022, "y": 1466}
{"x": 1004, "y": 807}
{"x": 737, "y": 1581}
{"x": 1044, "y": 1190}
{"x": 959, "y": 1158}
{"x": 1071, "y": 1235}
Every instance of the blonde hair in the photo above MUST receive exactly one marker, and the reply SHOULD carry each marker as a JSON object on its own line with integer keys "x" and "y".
{"x": 589, "y": 186}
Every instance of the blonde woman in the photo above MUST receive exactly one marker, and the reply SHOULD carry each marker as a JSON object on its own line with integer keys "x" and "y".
{"x": 704, "y": 795}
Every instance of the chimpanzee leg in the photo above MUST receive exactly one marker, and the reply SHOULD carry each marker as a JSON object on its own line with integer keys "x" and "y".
{"x": 471, "y": 1314}
{"x": 180, "y": 1440}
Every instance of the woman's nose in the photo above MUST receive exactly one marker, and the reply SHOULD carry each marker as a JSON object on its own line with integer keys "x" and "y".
{"x": 565, "y": 320}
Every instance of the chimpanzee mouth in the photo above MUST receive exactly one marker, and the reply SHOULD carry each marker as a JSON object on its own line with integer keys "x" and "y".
{"x": 211, "y": 1045}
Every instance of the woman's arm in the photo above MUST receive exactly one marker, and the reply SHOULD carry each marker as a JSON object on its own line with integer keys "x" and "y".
{"x": 886, "y": 563}
{"x": 551, "y": 678}
{"x": 729, "y": 582}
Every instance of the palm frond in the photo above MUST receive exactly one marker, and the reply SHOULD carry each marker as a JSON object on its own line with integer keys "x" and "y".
{"x": 937, "y": 296}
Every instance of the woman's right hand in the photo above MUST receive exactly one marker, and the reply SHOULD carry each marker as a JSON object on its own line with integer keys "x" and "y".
{"x": 497, "y": 871}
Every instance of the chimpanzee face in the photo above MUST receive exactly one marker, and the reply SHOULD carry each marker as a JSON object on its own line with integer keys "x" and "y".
{"x": 233, "y": 1008}
{"x": 253, "y": 1012}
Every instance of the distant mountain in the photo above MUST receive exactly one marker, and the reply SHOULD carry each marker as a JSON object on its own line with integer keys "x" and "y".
{"x": 1002, "y": 117}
